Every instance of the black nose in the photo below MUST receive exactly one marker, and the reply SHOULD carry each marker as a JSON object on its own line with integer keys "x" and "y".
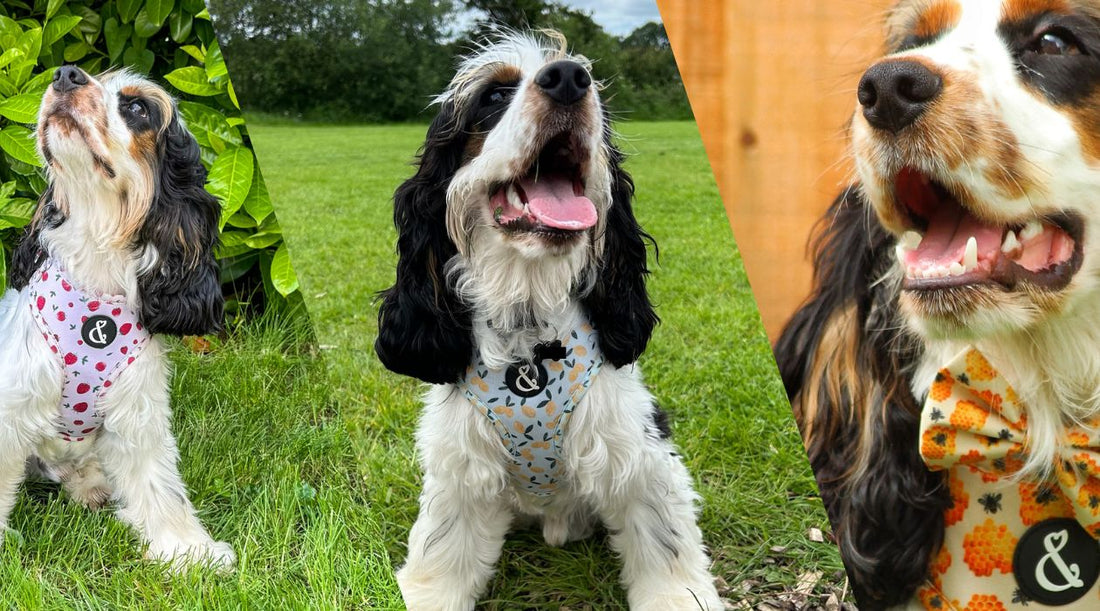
{"x": 894, "y": 93}
{"x": 67, "y": 78}
{"x": 564, "y": 81}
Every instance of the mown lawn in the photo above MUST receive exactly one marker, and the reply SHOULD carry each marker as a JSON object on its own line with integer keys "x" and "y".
{"x": 709, "y": 363}
{"x": 271, "y": 469}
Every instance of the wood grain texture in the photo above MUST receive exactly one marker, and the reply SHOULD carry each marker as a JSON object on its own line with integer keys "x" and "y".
{"x": 772, "y": 85}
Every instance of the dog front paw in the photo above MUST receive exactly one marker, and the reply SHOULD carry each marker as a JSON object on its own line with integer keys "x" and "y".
{"x": 436, "y": 594}
{"x": 217, "y": 555}
{"x": 701, "y": 597}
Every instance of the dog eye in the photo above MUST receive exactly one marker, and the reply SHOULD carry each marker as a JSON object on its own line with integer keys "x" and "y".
{"x": 496, "y": 96}
{"x": 1055, "y": 42}
{"x": 137, "y": 107}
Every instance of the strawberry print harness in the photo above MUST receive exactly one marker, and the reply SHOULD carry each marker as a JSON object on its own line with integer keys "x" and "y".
{"x": 94, "y": 336}
{"x": 1010, "y": 542}
{"x": 529, "y": 404}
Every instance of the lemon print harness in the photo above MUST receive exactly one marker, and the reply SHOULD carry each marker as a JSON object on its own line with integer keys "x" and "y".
{"x": 529, "y": 404}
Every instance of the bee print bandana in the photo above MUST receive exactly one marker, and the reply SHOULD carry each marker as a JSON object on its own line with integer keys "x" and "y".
{"x": 1010, "y": 542}
{"x": 94, "y": 336}
{"x": 529, "y": 404}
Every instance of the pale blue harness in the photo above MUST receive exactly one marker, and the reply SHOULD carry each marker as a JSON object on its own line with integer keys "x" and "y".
{"x": 530, "y": 404}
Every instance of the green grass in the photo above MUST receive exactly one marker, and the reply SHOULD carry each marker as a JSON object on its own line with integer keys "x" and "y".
{"x": 709, "y": 363}
{"x": 271, "y": 469}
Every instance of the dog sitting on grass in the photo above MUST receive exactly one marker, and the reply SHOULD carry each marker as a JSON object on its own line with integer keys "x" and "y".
{"x": 520, "y": 296}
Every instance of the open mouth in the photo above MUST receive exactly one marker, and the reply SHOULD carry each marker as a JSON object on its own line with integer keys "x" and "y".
{"x": 549, "y": 199}
{"x": 950, "y": 246}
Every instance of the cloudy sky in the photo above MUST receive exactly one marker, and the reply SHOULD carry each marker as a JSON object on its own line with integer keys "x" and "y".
{"x": 619, "y": 16}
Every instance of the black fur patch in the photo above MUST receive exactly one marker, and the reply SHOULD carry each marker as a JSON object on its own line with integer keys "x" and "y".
{"x": 660, "y": 421}
{"x": 1064, "y": 79}
{"x": 889, "y": 521}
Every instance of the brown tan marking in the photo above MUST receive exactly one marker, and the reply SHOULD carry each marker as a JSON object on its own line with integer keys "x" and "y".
{"x": 1021, "y": 10}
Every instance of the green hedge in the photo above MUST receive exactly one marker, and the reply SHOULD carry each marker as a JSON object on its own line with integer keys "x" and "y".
{"x": 173, "y": 42}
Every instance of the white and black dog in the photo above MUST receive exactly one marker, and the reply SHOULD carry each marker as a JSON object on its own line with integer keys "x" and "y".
{"x": 520, "y": 296}
{"x": 973, "y": 222}
{"x": 120, "y": 250}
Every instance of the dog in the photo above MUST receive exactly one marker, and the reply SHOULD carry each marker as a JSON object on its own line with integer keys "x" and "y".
{"x": 520, "y": 296}
{"x": 969, "y": 230}
{"x": 120, "y": 251}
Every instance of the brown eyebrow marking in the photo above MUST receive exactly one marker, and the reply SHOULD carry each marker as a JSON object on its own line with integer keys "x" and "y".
{"x": 922, "y": 19}
{"x": 937, "y": 18}
{"x": 1020, "y": 10}
{"x": 507, "y": 73}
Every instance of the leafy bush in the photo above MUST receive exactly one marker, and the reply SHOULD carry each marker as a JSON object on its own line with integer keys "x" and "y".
{"x": 171, "y": 41}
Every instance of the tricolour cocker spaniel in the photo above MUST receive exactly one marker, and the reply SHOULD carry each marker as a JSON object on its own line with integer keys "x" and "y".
{"x": 946, "y": 370}
{"x": 520, "y": 296}
{"x": 120, "y": 250}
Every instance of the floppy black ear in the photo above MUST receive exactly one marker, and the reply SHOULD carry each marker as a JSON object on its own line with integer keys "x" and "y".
{"x": 180, "y": 292}
{"x": 846, "y": 360}
{"x": 423, "y": 327}
{"x": 28, "y": 255}
{"x": 618, "y": 304}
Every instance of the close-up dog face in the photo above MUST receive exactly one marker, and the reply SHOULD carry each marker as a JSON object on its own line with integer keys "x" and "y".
{"x": 534, "y": 172}
{"x": 103, "y": 137}
{"x": 124, "y": 171}
{"x": 977, "y": 141}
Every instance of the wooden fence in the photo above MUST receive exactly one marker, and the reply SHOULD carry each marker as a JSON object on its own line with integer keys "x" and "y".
{"x": 772, "y": 85}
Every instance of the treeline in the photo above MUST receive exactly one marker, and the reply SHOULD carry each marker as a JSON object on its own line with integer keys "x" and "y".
{"x": 382, "y": 60}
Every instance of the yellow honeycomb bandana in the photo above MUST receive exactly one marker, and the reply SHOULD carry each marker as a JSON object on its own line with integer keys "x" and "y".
{"x": 1009, "y": 542}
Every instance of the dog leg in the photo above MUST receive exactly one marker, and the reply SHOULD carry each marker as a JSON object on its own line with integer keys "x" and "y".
{"x": 88, "y": 485}
{"x": 12, "y": 472}
{"x": 137, "y": 450}
{"x": 453, "y": 546}
{"x": 652, "y": 527}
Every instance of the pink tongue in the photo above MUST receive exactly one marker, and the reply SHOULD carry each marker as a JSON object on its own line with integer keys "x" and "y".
{"x": 945, "y": 240}
{"x": 552, "y": 202}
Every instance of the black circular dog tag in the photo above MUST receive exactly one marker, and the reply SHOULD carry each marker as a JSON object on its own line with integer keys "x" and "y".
{"x": 526, "y": 380}
{"x": 1056, "y": 562}
{"x": 99, "y": 331}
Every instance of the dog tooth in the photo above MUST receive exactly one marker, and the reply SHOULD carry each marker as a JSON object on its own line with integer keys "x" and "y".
{"x": 1030, "y": 230}
{"x": 956, "y": 269}
{"x": 910, "y": 240}
{"x": 513, "y": 198}
{"x": 970, "y": 255}
{"x": 1010, "y": 242}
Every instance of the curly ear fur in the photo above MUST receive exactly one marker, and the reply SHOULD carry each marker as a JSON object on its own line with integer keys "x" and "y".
{"x": 618, "y": 304}
{"x": 180, "y": 292}
{"x": 424, "y": 329}
{"x": 846, "y": 363}
{"x": 28, "y": 255}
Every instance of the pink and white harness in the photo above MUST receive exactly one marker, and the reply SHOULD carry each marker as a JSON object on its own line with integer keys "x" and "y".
{"x": 95, "y": 337}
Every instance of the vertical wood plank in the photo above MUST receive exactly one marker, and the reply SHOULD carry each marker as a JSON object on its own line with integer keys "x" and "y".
{"x": 772, "y": 85}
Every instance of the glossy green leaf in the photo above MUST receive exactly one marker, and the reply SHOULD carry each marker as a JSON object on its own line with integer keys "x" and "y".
{"x": 115, "y": 35}
{"x": 179, "y": 26}
{"x": 18, "y": 142}
{"x": 57, "y": 28}
{"x": 230, "y": 179}
{"x": 76, "y": 51}
{"x": 144, "y": 26}
{"x": 192, "y": 80}
{"x": 258, "y": 203}
{"x": 215, "y": 64}
{"x": 21, "y": 108}
{"x": 38, "y": 84}
{"x": 9, "y": 56}
{"x": 127, "y": 9}
{"x": 282, "y": 272}
{"x": 195, "y": 52}
{"x": 140, "y": 60}
{"x": 158, "y": 10}
{"x": 202, "y": 118}
{"x": 90, "y": 23}
{"x": 53, "y": 7}
{"x": 233, "y": 244}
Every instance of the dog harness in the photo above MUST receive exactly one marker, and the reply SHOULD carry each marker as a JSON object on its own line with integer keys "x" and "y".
{"x": 94, "y": 336}
{"x": 529, "y": 404}
{"x": 1009, "y": 542}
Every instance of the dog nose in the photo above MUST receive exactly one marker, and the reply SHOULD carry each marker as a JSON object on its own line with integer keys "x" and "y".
{"x": 564, "y": 81}
{"x": 894, "y": 93}
{"x": 67, "y": 78}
